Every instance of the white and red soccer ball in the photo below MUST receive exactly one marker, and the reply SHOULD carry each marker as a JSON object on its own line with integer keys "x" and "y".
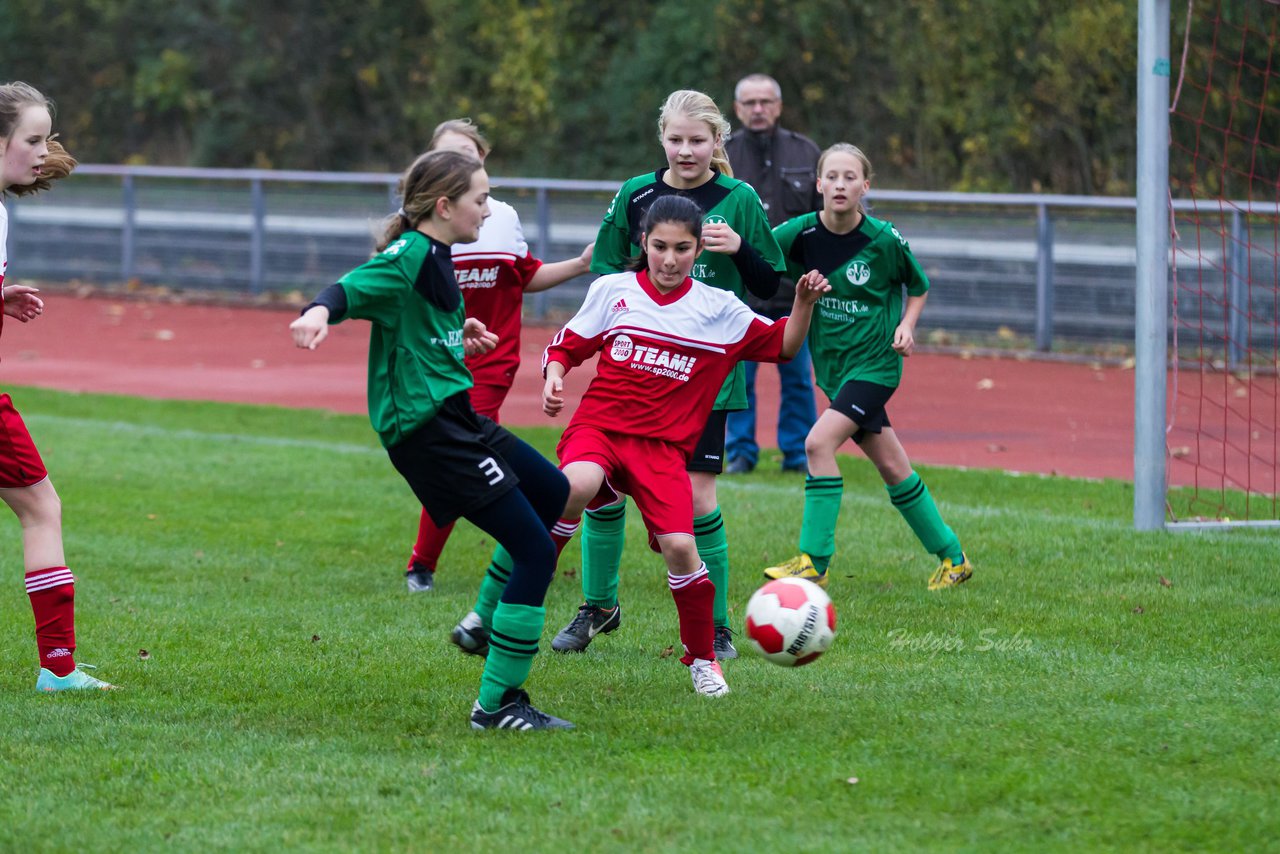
{"x": 790, "y": 621}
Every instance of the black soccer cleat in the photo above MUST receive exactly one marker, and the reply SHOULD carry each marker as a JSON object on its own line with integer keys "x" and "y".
{"x": 470, "y": 635}
{"x": 516, "y": 712}
{"x": 585, "y": 625}
{"x": 723, "y": 645}
{"x": 421, "y": 579}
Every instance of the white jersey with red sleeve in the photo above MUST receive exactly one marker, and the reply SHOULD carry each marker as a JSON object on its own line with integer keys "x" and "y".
{"x": 493, "y": 273}
{"x": 663, "y": 357}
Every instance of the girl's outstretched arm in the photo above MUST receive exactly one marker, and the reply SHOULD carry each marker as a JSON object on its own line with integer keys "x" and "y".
{"x": 809, "y": 289}
{"x": 20, "y": 301}
{"x": 311, "y": 328}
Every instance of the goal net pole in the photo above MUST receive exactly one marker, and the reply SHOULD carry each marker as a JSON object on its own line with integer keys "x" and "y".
{"x": 1151, "y": 349}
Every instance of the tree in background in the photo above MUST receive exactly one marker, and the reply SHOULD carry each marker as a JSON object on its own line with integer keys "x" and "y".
{"x": 1023, "y": 95}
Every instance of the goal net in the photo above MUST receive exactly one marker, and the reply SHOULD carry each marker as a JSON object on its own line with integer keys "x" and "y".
{"x": 1224, "y": 180}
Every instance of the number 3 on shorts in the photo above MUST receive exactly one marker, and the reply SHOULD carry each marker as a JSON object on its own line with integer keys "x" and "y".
{"x": 491, "y": 470}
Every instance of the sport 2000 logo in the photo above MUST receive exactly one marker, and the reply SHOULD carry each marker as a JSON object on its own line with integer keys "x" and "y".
{"x": 621, "y": 349}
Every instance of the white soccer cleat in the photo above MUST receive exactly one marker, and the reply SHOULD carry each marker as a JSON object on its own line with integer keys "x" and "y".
{"x": 708, "y": 678}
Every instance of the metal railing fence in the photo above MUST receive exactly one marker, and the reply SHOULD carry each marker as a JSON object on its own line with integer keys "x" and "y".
{"x": 1038, "y": 270}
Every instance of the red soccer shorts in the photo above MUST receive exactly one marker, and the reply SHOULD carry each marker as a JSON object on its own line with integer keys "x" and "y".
{"x": 487, "y": 397}
{"x": 652, "y": 472}
{"x": 20, "y": 463}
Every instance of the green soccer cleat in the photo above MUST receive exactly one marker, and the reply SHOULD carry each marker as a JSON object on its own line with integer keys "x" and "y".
{"x": 800, "y": 566}
{"x": 76, "y": 680}
{"x": 949, "y": 574}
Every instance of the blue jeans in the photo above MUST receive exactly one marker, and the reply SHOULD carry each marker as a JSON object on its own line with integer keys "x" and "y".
{"x": 796, "y": 414}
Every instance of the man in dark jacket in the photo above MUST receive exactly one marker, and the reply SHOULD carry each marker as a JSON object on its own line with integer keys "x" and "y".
{"x": 782, "y": 167}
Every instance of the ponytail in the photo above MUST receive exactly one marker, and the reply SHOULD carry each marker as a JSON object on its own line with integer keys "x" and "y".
{"x": 14, "y": 98}
{"x": 433, "y": 176}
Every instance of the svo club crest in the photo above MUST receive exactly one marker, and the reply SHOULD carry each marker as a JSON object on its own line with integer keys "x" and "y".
{"x": 858, "y": 273}
{"x": 715, "y": 219}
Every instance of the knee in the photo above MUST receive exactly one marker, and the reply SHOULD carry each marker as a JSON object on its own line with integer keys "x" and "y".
{"x": 536, "y": 553}
{"x": 817, "y": 446}
{"x": 580, "y": 495}
{"x": 44, "y": 509}
{"x": 681, "y": 557}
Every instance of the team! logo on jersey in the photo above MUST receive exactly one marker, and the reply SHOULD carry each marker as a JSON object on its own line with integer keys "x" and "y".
{"x": 621, "y": 349}
{"x": 662, "y": 362}
{"x": 394, "y": 248}
{"x": 858, "y": 273}
{"x": 715, "y": 219}
{"x": 477, "y": 277}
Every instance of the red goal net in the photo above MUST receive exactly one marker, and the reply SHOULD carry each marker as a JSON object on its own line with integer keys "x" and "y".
{"x": 1224, "y": 179}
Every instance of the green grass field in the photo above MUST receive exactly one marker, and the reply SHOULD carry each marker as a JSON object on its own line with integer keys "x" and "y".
{"x": 293, "y": 694}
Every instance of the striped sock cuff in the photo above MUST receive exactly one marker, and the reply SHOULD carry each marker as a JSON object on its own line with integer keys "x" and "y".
{"x": 679, "y": 582}
{"x": 819, "y": 485}
{"x": 43, "y": 579}
{"x": 609, "y": 514}
{"x": 908, "y": 492}
{"x": 498, "y": 574}
{"x": 708, "y": 524}
{"x": 565, "y": 528}
{"x": 513, "y": 645}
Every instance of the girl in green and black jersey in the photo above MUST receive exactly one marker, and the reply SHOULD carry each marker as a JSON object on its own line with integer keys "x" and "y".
{"x": 859, "y": 337}
{"x": 458, "y": 463}
{"x": 740, "y": 256}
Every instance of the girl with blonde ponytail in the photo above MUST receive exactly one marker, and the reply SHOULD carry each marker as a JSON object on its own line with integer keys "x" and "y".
{"x": 740, "y": 256}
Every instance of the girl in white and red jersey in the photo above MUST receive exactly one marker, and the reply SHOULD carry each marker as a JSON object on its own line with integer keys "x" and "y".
{"x": 742, "y": 257}
{"x": 667, "y": 343}
{"x": 494, "y": 273}
{"x": 29, "y": 161}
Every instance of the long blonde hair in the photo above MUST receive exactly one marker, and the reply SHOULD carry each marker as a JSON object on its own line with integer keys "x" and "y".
{"x": 433, "y": 176}
{"x": 848, "y": 148}
{"x": 14, "y": 98}
{"x": 699, "y": 107}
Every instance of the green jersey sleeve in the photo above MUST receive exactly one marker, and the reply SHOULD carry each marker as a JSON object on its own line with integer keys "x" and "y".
{"x": 754, "y": 228}
{"x": 910, "y": 273}
{"x": 613, "y": 240}
{"x": 377, "y": 288}
{"x": 785, "y": 234}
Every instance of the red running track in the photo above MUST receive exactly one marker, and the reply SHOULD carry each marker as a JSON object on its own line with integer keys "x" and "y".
{"x": 1007, "y": 413}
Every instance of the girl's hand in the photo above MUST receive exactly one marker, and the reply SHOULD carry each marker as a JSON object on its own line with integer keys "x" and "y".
{"x": 476, "y": 339}
{"x": 904, "y": 339}
{"x": 20, "y": 301}
{"x": 719, "y": 237}
{"x": 311, "y": 328}
{"x": 585, "y": 258}
{"x": 811, "y": 286}
{"x": 553, "y": 396}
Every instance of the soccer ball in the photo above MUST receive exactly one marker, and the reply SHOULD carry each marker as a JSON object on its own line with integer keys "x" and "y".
{"x": 790, "y": 621}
